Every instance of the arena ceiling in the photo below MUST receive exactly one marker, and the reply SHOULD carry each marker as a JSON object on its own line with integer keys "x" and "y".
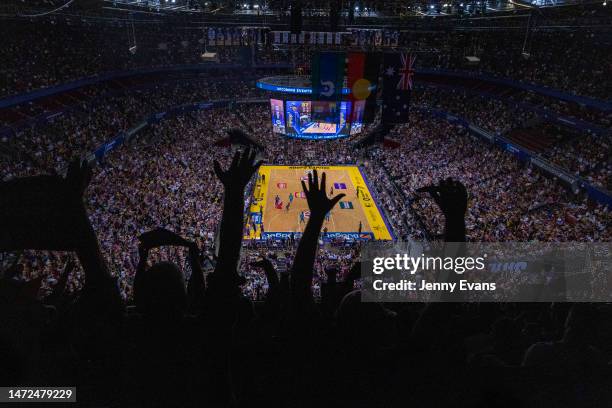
{"x": 358, "y": 8}
{"x": 353, "y": 9}
{"x": 275, "y": 14}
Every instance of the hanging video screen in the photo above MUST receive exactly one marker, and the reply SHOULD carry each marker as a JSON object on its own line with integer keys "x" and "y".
{"x": 317, "y": 119}
{"x": 357, "y": 117}
{"x": 278, "y": 116}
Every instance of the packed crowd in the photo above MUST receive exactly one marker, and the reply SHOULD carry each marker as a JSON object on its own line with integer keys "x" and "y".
{"x": 76, "y": 132}
{"x": 510, "y": 202}
{"x": 587, "y": 156}
{"x": 584, "y": 154}
{"x": 63, "y": 51}
{"x": 135, "y": 316}
{"x": 573, "y": 61}
{"x": 191, "y": 339}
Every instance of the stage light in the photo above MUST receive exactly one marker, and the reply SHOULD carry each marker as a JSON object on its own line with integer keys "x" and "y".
{"x": 432, "y": 7}
{"x": 356, "y": 8}
{"x": 255, "y": 6}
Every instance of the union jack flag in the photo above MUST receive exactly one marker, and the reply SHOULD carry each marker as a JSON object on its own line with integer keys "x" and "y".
{"x": 406, "y": 72}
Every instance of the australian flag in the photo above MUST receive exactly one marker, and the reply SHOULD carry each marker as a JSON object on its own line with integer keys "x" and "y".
{"x": 398, "y": 74}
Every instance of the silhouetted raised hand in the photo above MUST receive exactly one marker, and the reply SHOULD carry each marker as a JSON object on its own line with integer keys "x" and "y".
{"x": 78, "y": 177}
{"x": 240, "y": 171}
{"x": 316, "y": 195}
{"x": 303, "y": 263}
{"x": 234, "y": 179}
{"x": 162, "y": 237}
{"x": 451, "y": 196}
{"x": 269, "y": 270}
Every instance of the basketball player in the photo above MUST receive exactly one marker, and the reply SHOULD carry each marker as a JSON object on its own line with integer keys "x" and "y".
{"x": 302, "y": 217}
{"x": 331, "y": 191}
{"x": 360, "y": 227}
{"x": 327, "y": 216}
{"x": 287, "y": 206}
{"x": 290, "y": 197}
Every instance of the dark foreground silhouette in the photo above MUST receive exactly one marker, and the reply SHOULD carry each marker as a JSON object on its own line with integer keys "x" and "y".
{"x": 198, "y": 342}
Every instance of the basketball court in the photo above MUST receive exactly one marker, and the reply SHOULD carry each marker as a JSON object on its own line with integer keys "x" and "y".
{"x": 279, "y": 204}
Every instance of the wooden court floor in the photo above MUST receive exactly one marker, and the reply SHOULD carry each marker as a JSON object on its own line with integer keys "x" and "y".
{"x": 279, "y": 185}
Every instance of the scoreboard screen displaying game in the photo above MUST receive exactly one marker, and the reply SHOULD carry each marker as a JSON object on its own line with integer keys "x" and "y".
{"x": 315, "y": 119}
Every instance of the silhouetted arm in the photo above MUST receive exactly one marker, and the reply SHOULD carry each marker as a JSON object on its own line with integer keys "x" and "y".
{"x": 60, "y": 287}
{"x": 143, "y": 255}
{"x": 88, "y": 248}
{"x": 196, "y": 286}
{"x": 234, "y": 181}
{"x": 351, "y": 277}
{"x": 319, "y": 205}
{"x": 451, "y": 196}
{"x": 271, "y": 276}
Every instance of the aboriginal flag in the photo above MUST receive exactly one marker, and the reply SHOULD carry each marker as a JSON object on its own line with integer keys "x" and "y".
{"x": 362, "y": 80}
{"x": 359, "y": 87}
